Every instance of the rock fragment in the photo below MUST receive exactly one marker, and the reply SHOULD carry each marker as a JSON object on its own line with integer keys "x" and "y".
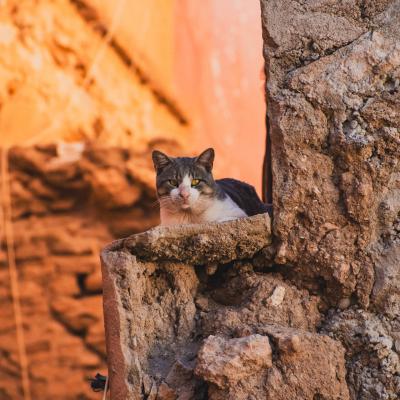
{"x": 277, "y": 296}
{"x": 227, "y": 361}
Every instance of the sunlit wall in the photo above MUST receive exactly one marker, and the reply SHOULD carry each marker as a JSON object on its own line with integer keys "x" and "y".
{"x": 206, "y": 58}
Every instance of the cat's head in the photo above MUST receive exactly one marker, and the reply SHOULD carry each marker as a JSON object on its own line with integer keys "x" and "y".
{"x": 184, "y": 184}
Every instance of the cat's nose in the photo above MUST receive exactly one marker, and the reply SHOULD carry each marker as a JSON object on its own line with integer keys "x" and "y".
{"x": 184, "y": 193}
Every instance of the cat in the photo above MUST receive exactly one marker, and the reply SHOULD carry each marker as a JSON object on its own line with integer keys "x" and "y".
{"x": 188, "y": 193}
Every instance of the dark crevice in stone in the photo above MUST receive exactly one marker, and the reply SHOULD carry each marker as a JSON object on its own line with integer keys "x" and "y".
{"x": 306, "y": 62}
{"x": 267, "y": 167}
{"x": 81, "y": 279}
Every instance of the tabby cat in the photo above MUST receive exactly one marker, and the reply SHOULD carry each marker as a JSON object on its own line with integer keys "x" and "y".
{"x": 188, "y": 193}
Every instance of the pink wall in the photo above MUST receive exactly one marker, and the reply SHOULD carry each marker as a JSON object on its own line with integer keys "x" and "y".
{"x": 218, "y": 76}
{"x": 206, "y": 57}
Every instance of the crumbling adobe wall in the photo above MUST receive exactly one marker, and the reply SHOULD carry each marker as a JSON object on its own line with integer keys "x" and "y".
{"x": 64, "y": 72}
{"x": 64, "y": 78}
{"x": 66, "y": 206}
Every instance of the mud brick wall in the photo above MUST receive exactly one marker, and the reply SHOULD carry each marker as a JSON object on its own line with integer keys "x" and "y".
{"x": 64, "y": 211}
{"x": 63, "y": 76}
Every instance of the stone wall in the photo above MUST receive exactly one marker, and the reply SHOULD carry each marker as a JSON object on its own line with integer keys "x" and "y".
{"x": 333, "y": 87}
{"x": 194, "y": 312}
{"x": 333, "y": 95}
{"x": 66, "y": 206}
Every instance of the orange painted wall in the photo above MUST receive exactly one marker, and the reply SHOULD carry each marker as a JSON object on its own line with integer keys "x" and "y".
{"x": 206, "y": 57}
{"x": 144, "y": 29}
{"x": 218, "y": 68}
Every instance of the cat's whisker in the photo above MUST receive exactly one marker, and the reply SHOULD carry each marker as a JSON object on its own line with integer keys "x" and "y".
{"x": 165, "y": 201}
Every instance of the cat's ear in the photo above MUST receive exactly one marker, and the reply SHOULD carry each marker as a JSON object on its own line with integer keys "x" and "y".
{"x": 206, "y": 159}
{"x": 160, "y": 160}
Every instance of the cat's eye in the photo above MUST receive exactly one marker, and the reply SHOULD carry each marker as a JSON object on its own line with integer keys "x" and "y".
{"x": 195, "y": 182}
{"x": 173, "y": 182}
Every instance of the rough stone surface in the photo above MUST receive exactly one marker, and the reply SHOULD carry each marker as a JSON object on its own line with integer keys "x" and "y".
{"x": 333, "y": 72}
{"x": 226, "y": 362}
{"x": 308, "y": 366}
{"x": 243, "y": 301}
{"x": 174, "y": 331}
{"x": 372, "y": 352}
{"x": 60, "y": 225}
{"x": 243, "y": 239}
{"x": 333, "y": 92}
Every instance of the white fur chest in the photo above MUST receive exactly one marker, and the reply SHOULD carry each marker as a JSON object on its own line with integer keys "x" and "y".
{"x": 223, "y": 210}
{"x": 218, "y": 211}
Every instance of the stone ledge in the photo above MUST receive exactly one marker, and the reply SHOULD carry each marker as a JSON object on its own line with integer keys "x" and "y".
{"x": 125, "y": 270}
{"x": 212, "y": 242}
{"x": 160, "y": 313}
